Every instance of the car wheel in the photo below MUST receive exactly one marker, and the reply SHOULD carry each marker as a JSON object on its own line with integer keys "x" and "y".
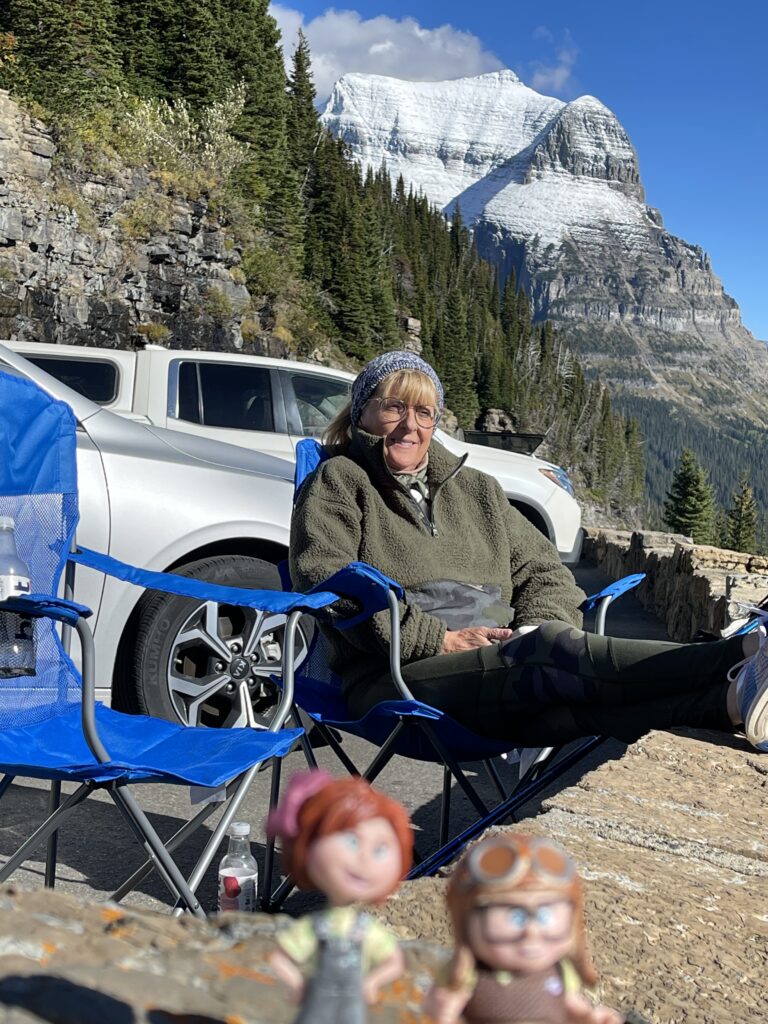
{"x": 208, "y": 663}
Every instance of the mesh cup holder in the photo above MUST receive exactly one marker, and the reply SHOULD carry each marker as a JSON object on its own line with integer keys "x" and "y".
{"x": 17, "y": 645}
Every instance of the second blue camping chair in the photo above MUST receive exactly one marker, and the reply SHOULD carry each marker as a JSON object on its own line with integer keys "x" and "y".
{"x": 408, "y": 727}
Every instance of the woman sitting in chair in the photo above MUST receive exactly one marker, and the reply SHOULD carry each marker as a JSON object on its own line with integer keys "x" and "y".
{"x": 490, "y": 625}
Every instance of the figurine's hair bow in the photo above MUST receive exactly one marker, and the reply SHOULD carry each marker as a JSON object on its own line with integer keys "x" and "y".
{"x": 283, "y": 820}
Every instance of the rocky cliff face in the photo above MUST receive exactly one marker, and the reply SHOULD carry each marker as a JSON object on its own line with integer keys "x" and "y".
{"x": 553, "y": 190}
{"x": 108, "y": 259}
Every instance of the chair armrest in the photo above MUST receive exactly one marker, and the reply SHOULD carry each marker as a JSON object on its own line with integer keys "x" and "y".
{"x": 613, "y": 590}
{"x": 276, "y": 601}
{"x": 608, "y": 594}
{"x": 373, "y": 591}
{"x": 46, "y": 606}
{"x": 365, "y": 585}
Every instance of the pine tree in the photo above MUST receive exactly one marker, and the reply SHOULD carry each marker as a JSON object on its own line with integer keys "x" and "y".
{"x": 457, "y": 363}
{"x": 302, "y": 119}
{"x": 741, "y": 519}
{"x": 690, "y": 504}
{"x": 254, "y": 55}
{"x": 65, "y": 57}
{"x": 146, "y": 33}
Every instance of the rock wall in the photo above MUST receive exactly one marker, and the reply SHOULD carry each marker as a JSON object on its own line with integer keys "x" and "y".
{"x": 110, "y": 259}
{"x": 690, "y": 587}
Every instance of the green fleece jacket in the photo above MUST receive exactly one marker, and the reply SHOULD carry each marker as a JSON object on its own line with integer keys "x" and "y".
{"x": 352, "y": 508}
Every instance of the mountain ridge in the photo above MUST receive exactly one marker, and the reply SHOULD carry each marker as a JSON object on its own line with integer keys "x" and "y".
{"x": 541, "y": 172}
{"x": 553, "y": 192}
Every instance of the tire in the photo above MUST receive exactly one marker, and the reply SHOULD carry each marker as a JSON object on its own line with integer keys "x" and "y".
{"x": 191, "y": 661}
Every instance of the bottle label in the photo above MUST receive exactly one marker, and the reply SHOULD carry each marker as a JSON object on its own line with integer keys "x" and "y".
{"x": 14, "y": 586}
{"x": 17, "y": 635}
{"x": 237, "y": 890}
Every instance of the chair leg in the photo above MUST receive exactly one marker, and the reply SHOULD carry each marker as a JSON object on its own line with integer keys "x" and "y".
{"x": 280, "y": 895}
{"x": 456, "y": 771}
{"x": 337, "y": 748}
{"x": 271, "y": 902}
{"x": 306, "y": 746}
{"x": 187, "y": 829}
{"x": 5, "y": 783}
{"x": 493, "y": 771}
{"x": 149, "y": 839}
{"x": 54, "y": 799}
{"x": 384, "y": 756}
{"x": 445, "y": 806}
{"x": 48, "y": 827}
{"x": 217, "y": 836}
{"x": 265, "y": 882}
{"x": 521, "y": 795}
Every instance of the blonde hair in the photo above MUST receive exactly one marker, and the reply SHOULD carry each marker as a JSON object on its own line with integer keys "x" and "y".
{"x": 413, "y": 386}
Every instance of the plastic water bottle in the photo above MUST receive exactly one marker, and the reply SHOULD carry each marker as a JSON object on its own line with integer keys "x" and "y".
{"x": 238, "y": 871}
{"x": 17, "y": 636}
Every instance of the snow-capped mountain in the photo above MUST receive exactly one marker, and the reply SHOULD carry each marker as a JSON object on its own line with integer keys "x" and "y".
{"x": 553, "y": 189}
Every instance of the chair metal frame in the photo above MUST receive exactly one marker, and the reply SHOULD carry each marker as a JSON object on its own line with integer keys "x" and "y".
{"x": 158, "y": 851}
{"x": 50, "y": 451}
{"x": 546, "y": 766}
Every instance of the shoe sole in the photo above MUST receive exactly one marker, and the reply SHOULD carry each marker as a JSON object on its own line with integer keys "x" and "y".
{"x": 756, "y": 721}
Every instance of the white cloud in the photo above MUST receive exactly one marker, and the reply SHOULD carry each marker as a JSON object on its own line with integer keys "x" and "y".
{"x": 555, "y": 76}
{"x": 342, "y": 41}
{"x": 542, "y": 32}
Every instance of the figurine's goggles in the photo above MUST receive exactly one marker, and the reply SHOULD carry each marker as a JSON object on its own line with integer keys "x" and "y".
{"x": 498, "y": 863}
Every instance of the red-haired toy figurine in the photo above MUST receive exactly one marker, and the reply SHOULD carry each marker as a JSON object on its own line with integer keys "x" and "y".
{"x": 355, "y": 845}
{"x": 517, "y": 908}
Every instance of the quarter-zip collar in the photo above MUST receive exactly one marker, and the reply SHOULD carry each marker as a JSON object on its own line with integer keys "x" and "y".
{"x": 368, "y": 450}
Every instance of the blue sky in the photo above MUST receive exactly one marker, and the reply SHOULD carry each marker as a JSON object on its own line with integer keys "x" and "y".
{"x": 687, "y": 80}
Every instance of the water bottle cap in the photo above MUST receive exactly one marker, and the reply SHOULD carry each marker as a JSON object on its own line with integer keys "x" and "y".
{"x": 240, "y": 828}
{"x": 7, "y": 523}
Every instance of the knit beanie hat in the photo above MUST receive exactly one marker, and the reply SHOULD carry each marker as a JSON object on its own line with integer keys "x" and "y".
{"x": 374, "y": 372}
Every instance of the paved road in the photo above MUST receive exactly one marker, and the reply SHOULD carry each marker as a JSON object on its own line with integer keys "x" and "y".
{"x": 96, "y": 850}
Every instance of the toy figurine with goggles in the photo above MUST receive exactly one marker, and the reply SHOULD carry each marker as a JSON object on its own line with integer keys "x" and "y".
{"x": 517, "y": 908}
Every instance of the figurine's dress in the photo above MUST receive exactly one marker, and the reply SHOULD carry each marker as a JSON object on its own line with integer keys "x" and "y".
{"x": 335, "y": 991}
{"x": 337, "y": 948}
{"x": 503, "y": 999}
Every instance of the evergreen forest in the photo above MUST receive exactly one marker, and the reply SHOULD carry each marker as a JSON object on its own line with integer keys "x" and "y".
{"x": 200, "y": 95}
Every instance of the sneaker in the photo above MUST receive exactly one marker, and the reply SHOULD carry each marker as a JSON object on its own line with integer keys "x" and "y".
{"x": 751, "y": 677}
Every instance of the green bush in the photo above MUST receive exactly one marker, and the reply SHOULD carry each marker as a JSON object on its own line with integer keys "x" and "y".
{"x": 154, "y": 333}
{"x": 218, "y": 306}
{"x": 145, "y": 216}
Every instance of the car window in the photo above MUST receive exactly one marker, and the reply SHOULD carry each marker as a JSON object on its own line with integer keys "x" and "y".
{"x": 318, "y": 400}
{"x": 226, "y": 395}
{"x": 89, "y": 377}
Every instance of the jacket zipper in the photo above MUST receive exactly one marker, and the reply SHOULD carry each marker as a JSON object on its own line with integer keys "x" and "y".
{"x": 427, "y": 518}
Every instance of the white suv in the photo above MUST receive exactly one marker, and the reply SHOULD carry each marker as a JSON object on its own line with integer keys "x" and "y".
{"x": 270, "y": 404}
{"x": 165, "y": 501}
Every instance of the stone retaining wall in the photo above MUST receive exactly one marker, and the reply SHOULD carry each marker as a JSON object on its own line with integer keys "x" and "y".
{"x": 690, "y": 587}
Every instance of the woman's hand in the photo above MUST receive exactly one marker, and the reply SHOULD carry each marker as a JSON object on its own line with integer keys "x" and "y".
{"x": 474, "y": 636}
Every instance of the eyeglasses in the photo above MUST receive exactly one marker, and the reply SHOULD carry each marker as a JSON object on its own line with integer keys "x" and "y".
{"x": 507, "y": 922}
{"x": 392, "y": 410}
{"x": 495, "y": 862}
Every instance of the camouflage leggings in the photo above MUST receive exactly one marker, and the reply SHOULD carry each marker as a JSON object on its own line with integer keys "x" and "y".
{"x": 558, "y": 683}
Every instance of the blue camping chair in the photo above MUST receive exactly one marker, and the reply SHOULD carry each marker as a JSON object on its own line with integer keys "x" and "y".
{"x": 408, "y": 727}
{"x": 50, "y": 724}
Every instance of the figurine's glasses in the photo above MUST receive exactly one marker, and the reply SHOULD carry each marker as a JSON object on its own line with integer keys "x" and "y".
{"x": 496, "y": 863}
{"x": 508, "y": 922}
{"x": 392, "y": 410}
